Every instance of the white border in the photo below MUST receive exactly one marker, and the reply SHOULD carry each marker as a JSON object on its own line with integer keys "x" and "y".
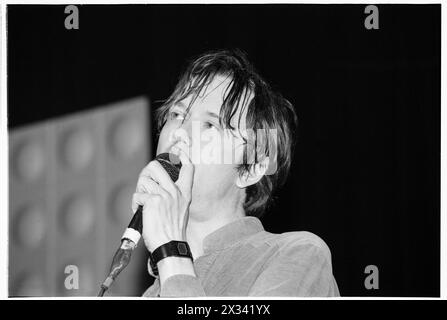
{"x": 62, "y": 2}
{"x": 443, "y": 160}
{"x": 4, "y": 198}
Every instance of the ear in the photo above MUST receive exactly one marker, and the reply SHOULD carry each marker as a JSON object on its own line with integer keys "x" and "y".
{"x": 257, "y": 171}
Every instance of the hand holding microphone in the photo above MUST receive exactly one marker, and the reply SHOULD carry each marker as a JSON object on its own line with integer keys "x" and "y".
{"x": 165, "y": 202}
{"x": 161, "y": 204}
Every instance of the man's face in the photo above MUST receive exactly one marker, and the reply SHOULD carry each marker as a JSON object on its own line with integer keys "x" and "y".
{"x": 214, "y": 151}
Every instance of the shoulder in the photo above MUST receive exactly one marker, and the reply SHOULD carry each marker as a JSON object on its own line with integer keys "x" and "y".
{"x": 302, "y": 238}
{"x": 298, "y": 244}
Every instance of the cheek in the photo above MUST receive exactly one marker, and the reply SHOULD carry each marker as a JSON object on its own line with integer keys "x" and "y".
{"x": 164, "y": 139}
{"x": 219, "y": 148}
{"x": 217, "y": 179}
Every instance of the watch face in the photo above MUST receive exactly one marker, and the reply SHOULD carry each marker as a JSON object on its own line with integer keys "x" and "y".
{"x": 182, "y": 249}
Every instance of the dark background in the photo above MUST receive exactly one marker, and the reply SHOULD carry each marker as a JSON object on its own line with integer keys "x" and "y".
{"x": 366, "y": 175}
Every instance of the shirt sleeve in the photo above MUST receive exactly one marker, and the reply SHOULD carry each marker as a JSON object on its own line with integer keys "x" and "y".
{"x": 179, "y": 285}
{"x": 182, "y": 285}
{"x": 298, "y": 270}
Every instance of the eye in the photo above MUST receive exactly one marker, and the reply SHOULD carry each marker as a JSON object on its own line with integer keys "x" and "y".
{"x": 209, "y": 125}
{"x": 174, "y": 115}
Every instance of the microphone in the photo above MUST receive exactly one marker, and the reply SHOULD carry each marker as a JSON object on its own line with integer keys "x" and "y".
{"x": 132, "y": 235}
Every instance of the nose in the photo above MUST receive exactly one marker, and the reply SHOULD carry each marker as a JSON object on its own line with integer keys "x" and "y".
{"x": 182, "y": 133}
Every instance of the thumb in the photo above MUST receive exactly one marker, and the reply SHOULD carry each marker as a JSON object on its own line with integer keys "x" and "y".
{"x": 186, "y": 175}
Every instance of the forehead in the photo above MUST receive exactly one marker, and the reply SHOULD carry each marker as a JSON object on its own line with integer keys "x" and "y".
{"x": 211, "y": 99}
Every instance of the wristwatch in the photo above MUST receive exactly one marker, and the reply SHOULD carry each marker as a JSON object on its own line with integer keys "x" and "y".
{"x": 171, "y": 249}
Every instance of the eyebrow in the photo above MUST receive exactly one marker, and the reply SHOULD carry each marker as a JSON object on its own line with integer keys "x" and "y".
{"x": 212, "y": 114}
{"x": 180, "y": 105}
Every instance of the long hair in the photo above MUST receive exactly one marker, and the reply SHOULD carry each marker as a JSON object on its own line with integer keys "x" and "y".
{"x": 266, "y": 110}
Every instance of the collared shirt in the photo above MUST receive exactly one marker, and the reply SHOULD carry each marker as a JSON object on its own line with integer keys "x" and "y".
{"x": 242, "y": 259}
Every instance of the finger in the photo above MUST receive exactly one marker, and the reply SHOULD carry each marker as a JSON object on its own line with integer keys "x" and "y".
{"x": 139, "y": 199}
{"x": 143, "y": 199}
{"x": 186, "y": 175}
{"x": 155, "y": 171}
{"x": 147, "y": 185}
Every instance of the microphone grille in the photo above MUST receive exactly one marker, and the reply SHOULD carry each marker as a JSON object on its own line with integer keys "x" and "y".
{"x": 171, "y": 163}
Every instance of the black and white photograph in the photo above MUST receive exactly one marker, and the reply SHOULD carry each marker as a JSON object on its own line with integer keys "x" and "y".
{"x": 211, "y": 150}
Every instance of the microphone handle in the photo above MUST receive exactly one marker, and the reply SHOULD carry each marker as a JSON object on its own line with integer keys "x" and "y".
{"x": 135, "y": 228}
{"x": 137, "y": 221}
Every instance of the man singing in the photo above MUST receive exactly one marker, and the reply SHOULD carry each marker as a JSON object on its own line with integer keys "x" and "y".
{"x": 234, "y": 137}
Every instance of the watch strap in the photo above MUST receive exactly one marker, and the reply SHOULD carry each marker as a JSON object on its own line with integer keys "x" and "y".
{"x": 171, "y": 249}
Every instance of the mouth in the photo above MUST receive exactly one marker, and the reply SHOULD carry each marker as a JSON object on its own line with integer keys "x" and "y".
{"x": 174, "y": 150}
{"x": 174, "y": 154}
{"x": 178, "y": 147}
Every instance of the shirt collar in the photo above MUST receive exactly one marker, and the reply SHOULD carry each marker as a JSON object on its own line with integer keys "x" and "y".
{"x": 231, "y": 233}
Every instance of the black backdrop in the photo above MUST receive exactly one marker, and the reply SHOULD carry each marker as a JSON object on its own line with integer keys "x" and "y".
{"x": 366, "y": 172}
